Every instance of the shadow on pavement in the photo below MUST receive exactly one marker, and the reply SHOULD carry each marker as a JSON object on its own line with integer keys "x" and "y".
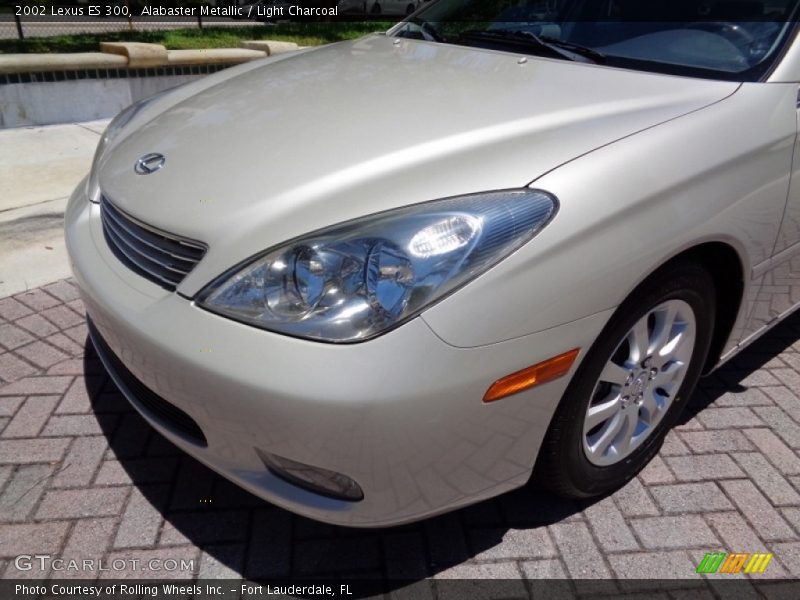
{"x": 735, "y": 375}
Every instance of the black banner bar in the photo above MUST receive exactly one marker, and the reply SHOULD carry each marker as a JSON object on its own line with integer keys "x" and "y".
{"x": 362, "y": 589}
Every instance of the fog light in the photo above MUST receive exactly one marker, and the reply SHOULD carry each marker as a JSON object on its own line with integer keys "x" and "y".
{"x": 313, "y": 479}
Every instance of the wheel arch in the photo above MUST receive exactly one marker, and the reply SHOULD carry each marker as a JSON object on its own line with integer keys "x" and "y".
{"x": 726, "y": 267}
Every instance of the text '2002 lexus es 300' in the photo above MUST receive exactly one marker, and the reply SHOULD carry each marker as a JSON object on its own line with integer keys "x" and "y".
{"x": 382, "y": 279}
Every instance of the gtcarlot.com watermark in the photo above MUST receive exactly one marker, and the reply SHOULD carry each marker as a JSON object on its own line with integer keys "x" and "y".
{"x": 47, "y": 562}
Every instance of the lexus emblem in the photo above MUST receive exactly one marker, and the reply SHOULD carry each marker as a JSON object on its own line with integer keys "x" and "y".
{"x": 149, "y": 163}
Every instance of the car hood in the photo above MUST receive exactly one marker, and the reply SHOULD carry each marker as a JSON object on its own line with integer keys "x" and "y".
{"x": 278, "y": 149}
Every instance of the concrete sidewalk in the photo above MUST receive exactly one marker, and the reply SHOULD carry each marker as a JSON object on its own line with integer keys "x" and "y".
{"x": 39, "y": 168}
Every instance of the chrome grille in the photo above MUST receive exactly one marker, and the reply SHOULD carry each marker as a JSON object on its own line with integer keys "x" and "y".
{"x": 161, "y": 257}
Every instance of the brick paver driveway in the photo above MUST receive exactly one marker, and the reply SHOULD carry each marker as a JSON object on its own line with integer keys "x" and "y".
{"x": 83, "y": 476}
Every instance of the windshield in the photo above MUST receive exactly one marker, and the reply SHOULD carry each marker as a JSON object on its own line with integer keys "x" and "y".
{"x": 725, "y": 39}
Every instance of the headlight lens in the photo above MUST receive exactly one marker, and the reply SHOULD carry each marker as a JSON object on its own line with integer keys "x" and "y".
{"x": 116, "y": 125}
{"x": 359, "y": 279}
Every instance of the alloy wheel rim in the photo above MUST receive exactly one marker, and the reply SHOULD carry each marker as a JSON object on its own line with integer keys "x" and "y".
{"x": 639, "y": 382}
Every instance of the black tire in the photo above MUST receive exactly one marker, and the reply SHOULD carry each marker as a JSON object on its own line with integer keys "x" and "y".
{"x": 409, "y": 9}
{"x": 376, "y": 9}
{"x": 562, "y": 464}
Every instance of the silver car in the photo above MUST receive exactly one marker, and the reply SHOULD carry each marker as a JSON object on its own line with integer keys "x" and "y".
{"x": 392, "y": 7}
{"x": 369, "y": 315}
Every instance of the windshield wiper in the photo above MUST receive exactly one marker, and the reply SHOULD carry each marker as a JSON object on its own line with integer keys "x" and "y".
{"x": 583, "y": 51}
{"x": 529, "y": 40}
{"x": 429, "y": 32}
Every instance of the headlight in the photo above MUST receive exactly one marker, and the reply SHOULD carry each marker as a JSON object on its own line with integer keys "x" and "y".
{"x": 116, "y": 125}
{"x": 359, "y": 279}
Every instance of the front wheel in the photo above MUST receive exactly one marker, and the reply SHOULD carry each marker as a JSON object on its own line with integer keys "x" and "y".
{"x": 632, "y": 385}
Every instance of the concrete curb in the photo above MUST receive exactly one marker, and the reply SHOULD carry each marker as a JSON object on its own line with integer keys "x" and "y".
{"x": 213, "y": 57}
{"x": 271, "y": 47}
{"x": 138, "y": 55}
{"x": 29, "y": 63}
{"x": 134, "y": 55}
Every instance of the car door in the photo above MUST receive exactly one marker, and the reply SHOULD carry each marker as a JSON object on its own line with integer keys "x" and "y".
{"x": 781, "y": 285}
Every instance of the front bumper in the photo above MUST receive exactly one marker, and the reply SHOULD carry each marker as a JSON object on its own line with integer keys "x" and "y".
{"x": 402, "y": 414}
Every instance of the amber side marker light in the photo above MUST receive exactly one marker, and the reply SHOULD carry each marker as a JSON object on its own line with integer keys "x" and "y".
{"x": 551, "y": 369}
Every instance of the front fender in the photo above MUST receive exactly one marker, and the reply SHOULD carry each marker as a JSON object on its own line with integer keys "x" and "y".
{"x": 717, "y": 174}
